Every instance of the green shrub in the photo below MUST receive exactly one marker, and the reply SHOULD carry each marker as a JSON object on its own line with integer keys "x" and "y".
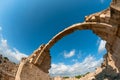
{"x": 79, "y": 76}
{"x": 65, "y": 77}
{"x": 6, "y": 58}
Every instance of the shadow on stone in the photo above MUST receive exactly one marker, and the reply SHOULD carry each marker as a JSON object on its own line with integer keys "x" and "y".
{"x": 108, "y": 73}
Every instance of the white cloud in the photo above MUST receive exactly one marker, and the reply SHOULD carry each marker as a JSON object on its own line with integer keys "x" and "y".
{"x": 70, "y": 54}
{"x": 12, "y": 53}
{"x": 101, "y": 47}
{"x": 89, "y": 64}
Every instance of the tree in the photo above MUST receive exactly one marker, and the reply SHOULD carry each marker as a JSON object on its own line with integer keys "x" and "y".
{"x": 65, "y": 77}
{"x": 6, "y": 58}
{"x": 79, "y": 76}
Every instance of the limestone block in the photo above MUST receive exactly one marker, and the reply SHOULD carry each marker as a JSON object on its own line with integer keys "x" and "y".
{"x": 116, "y": 45}
{"x": 118, "y": 34}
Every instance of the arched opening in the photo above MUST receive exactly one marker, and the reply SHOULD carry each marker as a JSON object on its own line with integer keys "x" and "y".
{"x": 73, "y": 55}
{"x": 103, "y": 30}
{"x": 43, "y": 60}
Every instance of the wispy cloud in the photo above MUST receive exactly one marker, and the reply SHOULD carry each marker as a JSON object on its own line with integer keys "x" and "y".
{"x": 0, "y": 28}
{"x": 61, "y": 69}
{"x": 12, "y": 53}
{"x": 74, "y": 60}
{"x": 70, "y": 54}
{"x": 102, "y": 1}
{"x": 101, "y": 47}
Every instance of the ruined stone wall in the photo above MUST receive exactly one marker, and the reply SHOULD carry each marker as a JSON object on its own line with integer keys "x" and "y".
{"x": 114, "y": 50}
{"x": 28, "y": 71}
{"x": 8, "y": 69}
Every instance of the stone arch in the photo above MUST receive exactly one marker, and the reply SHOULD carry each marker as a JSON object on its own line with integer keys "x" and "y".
{"x": 103, "y": 30}
{"x": 39, "y": 62}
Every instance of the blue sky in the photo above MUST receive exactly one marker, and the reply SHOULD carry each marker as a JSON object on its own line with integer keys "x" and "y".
{"x": 26, "y": 24}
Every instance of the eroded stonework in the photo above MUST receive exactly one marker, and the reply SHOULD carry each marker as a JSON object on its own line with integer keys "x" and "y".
{"x": 7, "y": 69}
{"x": 105, "y": 24}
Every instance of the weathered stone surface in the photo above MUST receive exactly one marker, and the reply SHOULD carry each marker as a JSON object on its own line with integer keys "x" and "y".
{"x": 118, "y": 34}
{"x": 7, "y": 69}
{"x": 115, "y": 12}
{"x": 28, "y": 71}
